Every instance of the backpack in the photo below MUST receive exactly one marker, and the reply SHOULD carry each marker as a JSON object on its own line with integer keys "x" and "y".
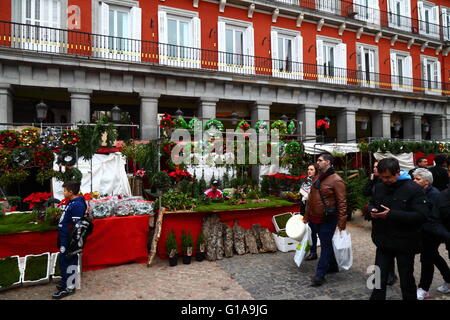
{"x": 81, "y": 230}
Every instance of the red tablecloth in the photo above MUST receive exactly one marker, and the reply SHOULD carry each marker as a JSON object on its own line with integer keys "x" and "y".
{"x": 115, "y": 241}
{"x": 192, "y": 221}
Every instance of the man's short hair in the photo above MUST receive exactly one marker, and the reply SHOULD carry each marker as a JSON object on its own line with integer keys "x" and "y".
{"x": 440, "y": 159}
{"x": 425, "y": 174}
{"x": 420, "y": 160}
{"x": 72, "y": 186}
{"x": 327, "y": 157}
{"x": 389, "y": 164}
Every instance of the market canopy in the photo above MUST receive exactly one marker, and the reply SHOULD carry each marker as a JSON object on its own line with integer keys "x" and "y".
{"x": 317, "y": 148}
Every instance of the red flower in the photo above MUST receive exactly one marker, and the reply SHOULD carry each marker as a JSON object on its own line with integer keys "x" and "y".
{"x": 322, "y": 123}
{"x": 36, "y": 198}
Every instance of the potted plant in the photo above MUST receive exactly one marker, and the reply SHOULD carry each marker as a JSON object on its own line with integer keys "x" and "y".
{"x": 201, "y": 247}
{"x": 37, "y": 269}
{"x": 172, "y": 248}
{"x": 187, "y": 246}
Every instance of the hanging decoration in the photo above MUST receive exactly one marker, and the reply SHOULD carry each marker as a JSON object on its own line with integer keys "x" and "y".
{"x": 13, "y": 177}
{"x": 51, "y": 138}
{"x": 180, "y": 123}
{"x": 166, "y": 122}
{"x": 29, "y": 137}
{"x": 322, "y": 124}
{"x": 396, "y": 147}
{"x": 21, "y": 158}
{"x": 293, "y": 148}
{"x": 70, "y": 174}
{"x": 194, "y": 123}
{"x": 44, "y": 158}
{"x": 292, "y": 127}
{"x": 243, "y": 125}
{"x": 70, "y": 138}
{"x": 261, "y": 125}
{"x": 45, "y": 175}
{"x": 213, "y": 123}
{"x": 67, "y": 158}
{"x": 281, "y": 126}
{"x": 5, "y": 159}
{"x": 9, "y": 139}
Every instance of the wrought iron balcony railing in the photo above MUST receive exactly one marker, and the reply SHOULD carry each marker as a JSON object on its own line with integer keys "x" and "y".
{"x": 75, "y": 43}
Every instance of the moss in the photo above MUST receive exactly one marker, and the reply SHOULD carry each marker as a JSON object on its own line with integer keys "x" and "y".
{"x": 282, "y": 220}
{"x": 273, "y": 202}
{"x": 57, "y": 269}
{"x": 19, "y": 222}
{"x": 9, "y": 271}
{"x": 36, "y": 268}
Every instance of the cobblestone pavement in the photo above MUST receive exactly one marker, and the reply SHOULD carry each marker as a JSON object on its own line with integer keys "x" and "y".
{"x": 259, "y": 276}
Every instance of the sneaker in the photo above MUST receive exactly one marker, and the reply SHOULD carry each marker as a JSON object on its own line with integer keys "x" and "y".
{"x": 63, "y": 293}
{"x": 311, "y": 256}
{"x": 317, "y": 281}
{"x": 445, "y": 288}
{"x": 422, "y": 294}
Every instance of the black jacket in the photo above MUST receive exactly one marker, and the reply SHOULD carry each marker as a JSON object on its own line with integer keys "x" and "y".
{"x": 370, "y": 187}
{"x": 440, "y": 177}
{"x": 401, "y": 229}
{"x": 439, "y": 219}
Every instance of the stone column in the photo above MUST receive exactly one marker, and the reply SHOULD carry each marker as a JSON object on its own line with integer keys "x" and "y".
{"x": 381, "y": 124}
{"x": 80, "y": 105}
{"x": 260, "y": 111}
{"x": 307, "y": 115}
{"x": 438, "y": 127}
{"x": 6, "y": 105}
{"x": 207, "y": 108}
{"x": 149, "y": 116}
{"x": 412, "y": 126}
{"x": 346, "y": 126}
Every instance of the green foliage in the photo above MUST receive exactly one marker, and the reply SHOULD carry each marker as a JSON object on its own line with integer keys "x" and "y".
{"x": 36, "y": 268}
{"x": 171, "y": 244}
{"x": 19, "y": 222}
{"x": 292, "y": 127}
{"x": 227, "y": 205}
{"x": 161, "y": 180}
{"x": 52, "y": 215}
{"x": 281, "y": 126}
{"x": 174, "y": 200}
{"x": 70, "y": 174}
{"x": 9, "y": 271}
{"x": 180, "y": 123}
{"x": 202, "y": 185}
{"x": 13, "y": 177}
{"x": 186, "y": 241}
{"x": 396, "y": 147}
{"x": 226, "y": 180}
{"x": 355, "y": 197}
{"x": 185, "y": 186}
{"x": 45, "y": 175}
{"x": 14, "y": 200}
{"x": 201, "y": 242}
{"x": 91, "y": 137}
{"x": 282, "y": 220}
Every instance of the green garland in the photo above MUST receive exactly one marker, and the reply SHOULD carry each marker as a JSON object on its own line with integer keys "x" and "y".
{"x": 292, "y": 127}
{"x": 213, "y": 123}
{"x": 21, "y": 158}
{"x": 193, "y": 123}
{"x": 71, "y": 174}
{"x": 5, "y": 159}
{"x": 293, "y": 148}
{"x": 45, "y": 175}
{"x": 396, "y": 147}
{"x": 281, "y": 126}
{"x": 260, "y": 125}
{"x": 243, "y": 125}
{"x": 180, "y": 123}
{"x": 13, "y": 177}
{"x": 91, "y": 137}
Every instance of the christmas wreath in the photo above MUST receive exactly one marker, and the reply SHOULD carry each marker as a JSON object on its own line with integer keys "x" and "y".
{"x": 194, "y": 124}
{"x": 67, "y": 158}
{"x": 180, "y": 123}
{"x": 322, "y": 124}
{"x": 213, "y": 123}
{"x": 243, "y": 125}
{"x": 261, "y": 125}
{"x": 70, "y": 174}
{"x": 292, "y": 127}
{"x": 9, "y": 139}
{"x": 281, "y": 126}
{"x": 293, "y": 148}
{"x": 70, "y": 137}
{"x": 21, "y": 158}
{"x": 166, "y": 122}
{"x": 29, "y": 137}
{"x": 13, "y": 177}
{"x": 44, "y": 158}
{"x": 5, "y": 159}
{"x": 45, "y": 175}
{"x": 51, "y": 138}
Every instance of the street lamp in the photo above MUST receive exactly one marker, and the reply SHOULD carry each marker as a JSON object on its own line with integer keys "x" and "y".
{"x": 284, "y": 118}
{"x": 115, "y": 113}
{"x": 364, "y": 124}
{"x": 426, "y": 127}
{"x": 234, "y": 118}
{"x": 41, "y": 111}
{"x": 179, "y": 113}
{"x": 397, "y": 126}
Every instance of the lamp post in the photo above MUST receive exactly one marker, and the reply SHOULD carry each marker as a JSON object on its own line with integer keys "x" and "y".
{"x": 284, "y": 118}
{"x": 41, "y": 111}
{"x": 364, "y": 124}
{"x": 234, "y": 118}
{"x": 397, "y": 126}
{"x": 116, "y": 113}
{"x": 179, "y": 113}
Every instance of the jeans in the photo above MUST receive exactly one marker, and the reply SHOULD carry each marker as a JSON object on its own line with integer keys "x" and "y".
{"x": 327, "y": 260}
{"x": 313, "y": 249}
{"x": 405, "y": 262}
{"x": 429, "y": 258}
{"x": 66, "y": 272}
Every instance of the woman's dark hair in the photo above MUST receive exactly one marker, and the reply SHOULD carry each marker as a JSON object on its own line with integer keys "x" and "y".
{"x": 327, "y": 157}
{"x": 420, "y": 160}
{"x": 316, "y": 168}
{"x": 440, "y": 159}
{"x": 388, "y": 164}
{"x": 72, "y": 186}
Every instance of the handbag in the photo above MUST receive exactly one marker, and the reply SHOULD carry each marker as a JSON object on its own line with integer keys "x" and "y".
{"x": 327, "y": 212}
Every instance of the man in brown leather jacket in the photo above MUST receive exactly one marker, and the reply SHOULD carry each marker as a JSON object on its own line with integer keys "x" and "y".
{"x": 327, "y": 208}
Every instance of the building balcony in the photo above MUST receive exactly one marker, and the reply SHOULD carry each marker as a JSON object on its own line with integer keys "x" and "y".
{"x": 14, "y": 36}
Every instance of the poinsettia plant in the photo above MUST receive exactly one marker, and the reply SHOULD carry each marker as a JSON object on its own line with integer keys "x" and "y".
{"x": 37, "y": 199}
{"x": 70, "y": 137}
{"x": 322, "y": 124}
{"x": 140, "y": 173}
{"x": 179, "y": 175}
{"x": 9, "y": 139}
{"x": 243, "y": 125}
{"x": 166, "y": 122}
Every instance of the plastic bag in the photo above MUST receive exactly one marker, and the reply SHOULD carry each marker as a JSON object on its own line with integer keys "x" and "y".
{"x": 141, "y": 207}
{"x": 101, "y": 208}
{"x": 342, "y": 247}
{"x": 303, "y": 247}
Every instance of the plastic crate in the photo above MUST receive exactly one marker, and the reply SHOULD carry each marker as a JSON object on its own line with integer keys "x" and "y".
{"x": 285, "y": 244}
{"x": 275, "y": 224}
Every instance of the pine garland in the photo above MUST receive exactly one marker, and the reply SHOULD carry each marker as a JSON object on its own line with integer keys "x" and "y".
{"x": 396, "y": 147}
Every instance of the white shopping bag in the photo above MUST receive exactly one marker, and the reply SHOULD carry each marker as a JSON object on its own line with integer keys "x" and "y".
{"x": 303, "y": 247}
{"x": 342, "y": 247}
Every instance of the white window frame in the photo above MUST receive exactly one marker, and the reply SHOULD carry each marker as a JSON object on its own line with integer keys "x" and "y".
{"x": 102, "y": 44}
{"x": 373, "y": 79}
{"x": 190, "y": 55}
{"x": 293, "y": 2}
{"x": 402, "y": 82}
{"x": 331, "y": 6}
{"x": 296, "y": 62}
{"x": 445, "y": 22}
{"x": 404, "y": 18}
{"x": 430, "y": 28}
{"x": 339, "y": 71}
{"x": 434, "y": 86}
{"x": 248, "y": 61}
{"x": 367, "y": 10}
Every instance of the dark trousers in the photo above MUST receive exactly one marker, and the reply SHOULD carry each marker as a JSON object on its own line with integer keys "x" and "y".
{"x": 327, "y": 260}
{"x": 429, "y": 258}
{"x": 405, "y": 262}
{"x": 314, "y": 241}
{"x": 66, "y": 272}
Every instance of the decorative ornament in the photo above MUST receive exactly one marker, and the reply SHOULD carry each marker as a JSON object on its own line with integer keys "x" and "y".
{"x": 51, "y": 138}
{"x": 70, "y": 138}
{"x": 29, "y": 137}
{"x": 180, "y": 123}
{"x": 67, "y": 158}
{"x": 5, "y": 159}
{"x": 261, "y": 125}
{"x": 292, "y": 127}
{"x": 9, "y": 139}
{"x": 243, "y": 125}
{"x": 166, "y": 122}
{"x": 293, "y": 148}
{"x": 70, "y": 174}
{"x": 322, "y": 124}
{"x": 213, "y": 123}
{"x": 194, "y": 124}
{"x": 21, "y": 158}
{"x": 281, "y": 126}
{"x": 44, "y": 158}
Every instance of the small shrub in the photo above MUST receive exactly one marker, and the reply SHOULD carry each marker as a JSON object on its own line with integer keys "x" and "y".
{"x": 9, "y": 271}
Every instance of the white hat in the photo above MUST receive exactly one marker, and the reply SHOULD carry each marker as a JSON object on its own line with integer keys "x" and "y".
{"x": 296, "y": 228}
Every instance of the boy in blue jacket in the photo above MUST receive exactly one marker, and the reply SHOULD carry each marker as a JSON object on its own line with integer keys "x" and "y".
{"x": 74, "y": 211}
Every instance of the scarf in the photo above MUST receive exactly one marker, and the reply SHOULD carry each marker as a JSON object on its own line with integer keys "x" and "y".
{"x": 323, "y": 176}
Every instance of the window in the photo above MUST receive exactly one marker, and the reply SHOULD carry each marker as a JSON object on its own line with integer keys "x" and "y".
{"x": 120, "y": 32}
{"x": 431, "y": 75}
{"x": 287, "y": 53}
{"x": 400, "y": 14}
{"x": 289, "y": 1}
{"x": 428, "y": 19}
{"x": 332, "y": 61}
{"x": 179, "y": 37}
{"x": 446, "y": 23}
{"x": 367, "y": 66}
{"x": 235, "y": 44}
{"x": 401, "y": 71}
{"x": 367, "y": 10}
{"x": 331, "y": 6}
